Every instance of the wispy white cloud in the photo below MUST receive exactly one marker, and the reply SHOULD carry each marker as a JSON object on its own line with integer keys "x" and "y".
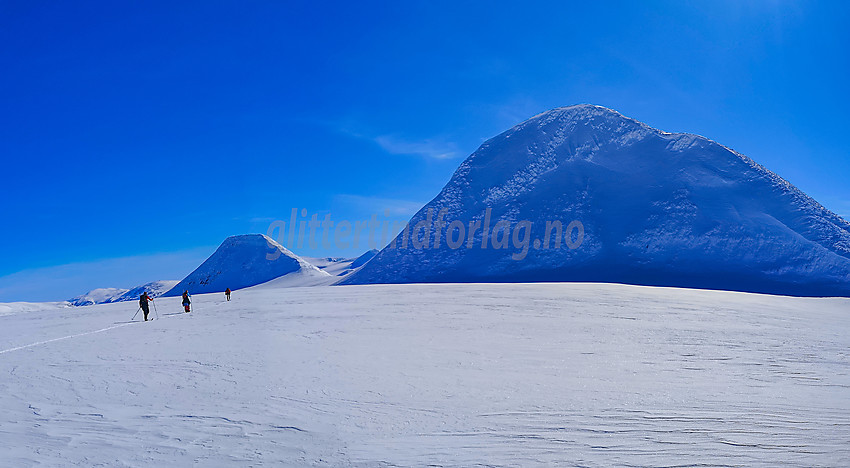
{"x": 392, "y": 207}
{"x": 429, "y": 148}
{"x": 435, "y": 147}
{"x": 61, "y": 282}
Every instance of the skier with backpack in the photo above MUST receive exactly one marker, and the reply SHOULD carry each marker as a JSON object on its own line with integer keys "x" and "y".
{"x": 143, "y": 303}
{"x": 186, "y": 301}
{"x": 227, "y": 293}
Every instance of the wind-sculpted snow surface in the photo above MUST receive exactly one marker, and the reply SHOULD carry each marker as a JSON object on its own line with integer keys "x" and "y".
{"x": 647, "y": 207}
{"x": 12, "y": 308}
{"x": 432, "y": 375}
{"x": 243, "y": 261}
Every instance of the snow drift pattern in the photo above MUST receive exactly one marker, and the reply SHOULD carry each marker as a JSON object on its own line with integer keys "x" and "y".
{"x": 657, "y": 209}
{"x": 523, "y": 375}
{"x": 243, "y": 261}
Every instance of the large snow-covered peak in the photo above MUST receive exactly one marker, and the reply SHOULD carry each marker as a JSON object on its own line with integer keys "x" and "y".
{"x": 242, "y": 261}
{"x": 657, "y": 208}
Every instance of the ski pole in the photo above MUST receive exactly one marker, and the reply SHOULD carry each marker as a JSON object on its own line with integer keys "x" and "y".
{"x": 137, "y": 313}
{"x": 154, "y": 309}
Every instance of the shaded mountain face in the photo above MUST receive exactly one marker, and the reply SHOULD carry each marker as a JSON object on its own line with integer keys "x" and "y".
{"x": 583, "y": 193}
{"x": 240, "y": 262}
{"x": 363, "y": 259}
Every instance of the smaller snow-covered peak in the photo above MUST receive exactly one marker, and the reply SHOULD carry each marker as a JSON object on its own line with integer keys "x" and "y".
{"x": 242, "y": 261}
{"x": 260, "y": 242}
{"x": 250, "y": 240}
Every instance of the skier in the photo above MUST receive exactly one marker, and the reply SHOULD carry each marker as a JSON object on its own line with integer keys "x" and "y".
{"x": 143, "y": 303}
{"x": 227, "y": 293}
{"x": 186, "y": 301}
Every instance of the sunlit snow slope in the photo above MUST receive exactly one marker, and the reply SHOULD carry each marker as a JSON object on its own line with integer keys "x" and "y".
{"x": 445, "y": 375}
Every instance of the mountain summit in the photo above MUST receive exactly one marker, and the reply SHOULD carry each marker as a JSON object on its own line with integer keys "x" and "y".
{"x": 243, "y": 261}
{"x": 583, "y": 193}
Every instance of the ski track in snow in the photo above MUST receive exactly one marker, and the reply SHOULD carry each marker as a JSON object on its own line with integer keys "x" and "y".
{"x": 39, "y": 343}
{"x": 445, "y": 375}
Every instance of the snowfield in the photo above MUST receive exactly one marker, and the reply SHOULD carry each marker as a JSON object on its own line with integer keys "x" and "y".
{"x": 446, "y": 375}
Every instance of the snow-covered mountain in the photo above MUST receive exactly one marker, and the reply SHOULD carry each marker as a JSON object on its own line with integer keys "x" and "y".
{"x": 98, "y": 296}
{"x": 243, "y": 261}
{"x": 651, "y": 207}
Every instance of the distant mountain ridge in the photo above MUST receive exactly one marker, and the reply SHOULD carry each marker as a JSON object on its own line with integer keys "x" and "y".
{"x": 154, "y": 289}
{"x": 656, "y": 208}
{"x": 110, "y": 295}
{"x": 240, "y": 262}
{"x": 97, "y": 296}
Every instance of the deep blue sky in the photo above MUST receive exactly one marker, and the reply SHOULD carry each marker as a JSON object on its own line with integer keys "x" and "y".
{"x": 139, "y": 134}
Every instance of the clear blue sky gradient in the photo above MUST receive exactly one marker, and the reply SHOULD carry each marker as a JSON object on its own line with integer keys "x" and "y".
{"x": 148, "y": 128}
